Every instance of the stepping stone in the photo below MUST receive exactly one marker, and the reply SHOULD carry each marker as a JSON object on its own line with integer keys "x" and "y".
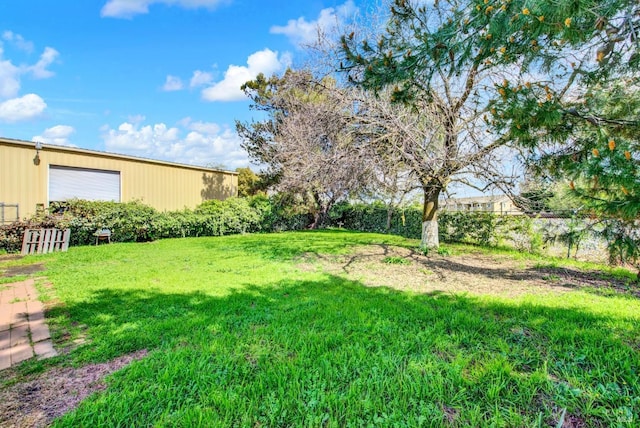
{"x": 39, "y": 331}
{"x": 5, "y": 358}
{"x": 5, "y": 339}
{"x": 23, "y": 330}
{"x": 44, "y": 350}
{"x": 20, "y": 353}
{"x": 20, "y": 335}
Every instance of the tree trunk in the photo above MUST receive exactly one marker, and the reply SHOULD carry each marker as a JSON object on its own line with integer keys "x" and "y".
{"x": 316, "y": 220}
{"x": 389, "y": 216}
{"x": 320, "y": 216}
{"x": 430, "y": 238}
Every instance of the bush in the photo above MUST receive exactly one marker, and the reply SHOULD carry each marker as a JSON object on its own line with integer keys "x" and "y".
{"x": 11, "y": 234}
{"x": 128, "y": 222}
{"x": 478, "y": 228}
{"x": 136, "y": 222}
{"x": 233, "y": 215}
{"x": 405, "y": 222}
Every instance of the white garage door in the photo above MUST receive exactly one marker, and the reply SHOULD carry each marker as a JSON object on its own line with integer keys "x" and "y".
{"x": 91, "y": 184}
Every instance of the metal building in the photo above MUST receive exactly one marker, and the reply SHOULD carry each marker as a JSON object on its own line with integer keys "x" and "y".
{"x": 32, "y": 175}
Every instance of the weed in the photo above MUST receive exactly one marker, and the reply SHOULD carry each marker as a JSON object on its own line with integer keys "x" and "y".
{"x": 444, "y": 251}
{"x": 394, "y": 260}
{"x": 423, "y": 250}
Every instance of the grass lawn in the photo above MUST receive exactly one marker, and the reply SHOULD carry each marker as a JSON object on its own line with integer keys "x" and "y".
{"x": 259, "y": 331}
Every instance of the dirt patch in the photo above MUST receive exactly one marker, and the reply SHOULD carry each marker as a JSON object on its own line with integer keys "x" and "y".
{"x": 592, "y": 278}
{"x": 37, "y": 402}
{"x": 4, "y": 257}
{"x": 408, "y": 270}
{"x": 23, "y": 270}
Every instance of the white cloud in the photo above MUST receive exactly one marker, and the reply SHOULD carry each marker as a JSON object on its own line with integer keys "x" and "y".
{"x": 206, "y": 128}
{"x": 58, "y": 135}
{"x": 24, "y": 108}
{"x": 200, "y": 78}
{"x": 130, "y": 8}
{"x": 265, "y": 61}
{"x": 204, "y": 143}
{"x": 18, "y": 41}
{"x": 39, "y": 69}
{"x": 300, "y": 31}
{"x": 9, "y": 79}
{"x": 15, "y": 108}
{"x": 173, "y": 83}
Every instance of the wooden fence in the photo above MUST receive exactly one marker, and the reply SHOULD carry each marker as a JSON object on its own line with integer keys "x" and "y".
{"x": 42, "y": 241}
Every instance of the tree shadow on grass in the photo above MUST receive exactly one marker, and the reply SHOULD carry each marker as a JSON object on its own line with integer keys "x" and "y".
{"x": 333, "y": 353}
{"x": 286, "y": 246}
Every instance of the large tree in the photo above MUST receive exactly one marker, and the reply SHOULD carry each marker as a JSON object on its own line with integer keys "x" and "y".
{"x": 557, "y": 79}
{"x": 576, "y": 103}
{"x": 443, "y": 73}
{"x": 306, "y": 143}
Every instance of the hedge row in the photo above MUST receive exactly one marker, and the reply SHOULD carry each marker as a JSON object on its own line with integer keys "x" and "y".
{"x": 466, "y": 227}
{"x": 136, "y": 222}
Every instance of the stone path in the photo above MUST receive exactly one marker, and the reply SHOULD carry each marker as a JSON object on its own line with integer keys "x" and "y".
{"x": 23, "y": 331}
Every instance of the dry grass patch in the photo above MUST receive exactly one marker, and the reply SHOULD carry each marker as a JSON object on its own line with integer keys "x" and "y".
{"x": 473, "y": 273}
{"x": 38, "y": 401}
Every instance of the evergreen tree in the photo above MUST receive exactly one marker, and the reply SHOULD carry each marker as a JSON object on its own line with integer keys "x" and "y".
{"x": 563, "y": 86}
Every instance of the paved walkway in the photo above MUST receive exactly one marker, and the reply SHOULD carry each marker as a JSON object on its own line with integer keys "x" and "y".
{"x": 23, "y": 331}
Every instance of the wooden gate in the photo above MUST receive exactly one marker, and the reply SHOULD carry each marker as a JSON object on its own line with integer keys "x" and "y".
{"x": 42, "y": 241}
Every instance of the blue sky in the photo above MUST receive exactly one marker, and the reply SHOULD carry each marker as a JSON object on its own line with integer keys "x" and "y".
{"x": 151, "y": 78}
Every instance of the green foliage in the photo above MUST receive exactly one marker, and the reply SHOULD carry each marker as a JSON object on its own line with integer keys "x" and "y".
{"x": 372, "y": 217}
{"x": 395, "y": 260}
{"x": 477, "y": 228}
{"x": 128, "y": 222}
{"x": 480, "y": 228}
{"x": 468, "y": 228}
{"x": 577, "y": 230}
{"x": 443, "y": 251}
{"x": 579, "y": 118}
{"x": 249, "y": 183}
{"x": 623, "y": 239}
{"x": 11, "y": 234}
{"x": 136, "y": 222}
{"x": 423, "y": 250}
{"x": 233, "y": 215}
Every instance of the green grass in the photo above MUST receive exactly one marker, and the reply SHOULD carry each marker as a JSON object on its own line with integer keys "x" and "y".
{"x": 395, "y": 260}
{"x": 238, "y": 336}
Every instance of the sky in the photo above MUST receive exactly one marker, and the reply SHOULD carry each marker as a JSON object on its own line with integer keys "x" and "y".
{"x": 158, "y": 79}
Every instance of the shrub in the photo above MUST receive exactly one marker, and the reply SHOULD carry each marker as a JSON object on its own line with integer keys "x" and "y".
{"x": 233, "y": 215}
{"x": 405, "y": 222}
{"x": 11, "y": 234}
{"x": 478, "y": 228}
{"x": 128, "y": 221}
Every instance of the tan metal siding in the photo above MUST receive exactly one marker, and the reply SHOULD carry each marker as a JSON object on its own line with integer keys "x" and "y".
{"x": 163, "y": 186}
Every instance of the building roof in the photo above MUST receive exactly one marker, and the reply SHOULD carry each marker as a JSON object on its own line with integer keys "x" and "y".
{"x": 477, "y": 199}
{"x": 54, "y": 147}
